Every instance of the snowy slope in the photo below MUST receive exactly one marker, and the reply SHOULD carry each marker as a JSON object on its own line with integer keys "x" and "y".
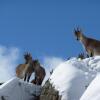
{"x": 75, "y": 79}
{"x": 93, "y": 91}
{"x": 17, "y": 89}
{"x": 72, "y": 77}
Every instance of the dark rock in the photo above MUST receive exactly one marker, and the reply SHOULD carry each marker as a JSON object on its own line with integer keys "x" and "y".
{"x": 1, "y": 83}
{"x": 49, "y": 93}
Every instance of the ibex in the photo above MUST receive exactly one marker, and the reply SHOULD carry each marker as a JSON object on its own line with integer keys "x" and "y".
{"x": 22, "y": 69}
{"x": 36, "y": 68}
{"x": 30, "y": 69}
{"x": 25, "y": 70}
{"x": 92, "y": 46}
{"x": 39, "y": 73}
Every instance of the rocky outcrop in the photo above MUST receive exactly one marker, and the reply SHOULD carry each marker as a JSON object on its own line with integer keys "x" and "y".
{"x": 49, "y": 93}
{"x": 17, "y": 89}
{"x": 21, "y": 90}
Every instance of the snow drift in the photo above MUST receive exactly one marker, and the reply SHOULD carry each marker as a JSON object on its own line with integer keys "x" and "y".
{"x": 72, "y": 77}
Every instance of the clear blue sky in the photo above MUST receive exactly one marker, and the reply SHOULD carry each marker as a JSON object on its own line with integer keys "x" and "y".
{"x": 45, "y": 27}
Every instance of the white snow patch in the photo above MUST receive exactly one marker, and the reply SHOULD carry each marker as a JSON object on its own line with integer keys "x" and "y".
{"x": 93, "y": 91}
{"x": 72, "y": 77}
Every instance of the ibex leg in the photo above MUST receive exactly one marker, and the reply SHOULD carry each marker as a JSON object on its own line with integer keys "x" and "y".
{"x": 25, "y": 77}
{"x": 28, "y": 78}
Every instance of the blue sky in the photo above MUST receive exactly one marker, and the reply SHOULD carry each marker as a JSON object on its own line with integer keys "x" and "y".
{"x": 45, "y": 27}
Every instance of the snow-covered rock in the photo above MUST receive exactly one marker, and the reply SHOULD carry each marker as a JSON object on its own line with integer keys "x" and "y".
{"x": 72, "y": 77}
{"x": 75, "y": 79}
{"x": 17, "y": 89}
{"x": 93, "y": 91}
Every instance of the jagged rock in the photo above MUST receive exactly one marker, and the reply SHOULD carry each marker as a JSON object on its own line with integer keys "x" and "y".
{"x": 34, "y": 92}
{"x": 49, "y": 93}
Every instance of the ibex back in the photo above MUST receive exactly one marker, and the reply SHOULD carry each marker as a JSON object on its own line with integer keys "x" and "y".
{"x": 21, "y": 70}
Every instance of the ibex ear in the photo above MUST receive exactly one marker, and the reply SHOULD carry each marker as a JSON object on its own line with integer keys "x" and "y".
{"x": 30, "y": 55}
{"x": 79, "y": 29}
{"x": 27, "y": 54}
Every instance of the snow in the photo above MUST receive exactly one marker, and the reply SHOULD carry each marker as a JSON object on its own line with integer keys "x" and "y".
{"x": 93, "y": 91}
{"x": 72, "y": 77}
{"x": 17, "y": 89}
{"x": 75, "y": 79}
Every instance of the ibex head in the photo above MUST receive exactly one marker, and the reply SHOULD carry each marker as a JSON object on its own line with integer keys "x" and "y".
{"x": 36, "y": 62}
{"x": 27, "y": 57}
{"x": 78, "y": 33}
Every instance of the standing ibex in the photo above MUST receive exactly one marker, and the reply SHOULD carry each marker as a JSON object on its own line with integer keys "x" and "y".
{"x": 30, "y": 69}
{"x": 25, "y": 70}
{"x": 21, "y": 69}
{"x": 39, "y": 73}
{"x": 92, "y": 46}
{"x": 36, "y": 68}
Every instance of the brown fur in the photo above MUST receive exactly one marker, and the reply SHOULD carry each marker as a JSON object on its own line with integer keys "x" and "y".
{"x": 29, "y": 71}
{"x": 23, "y": 69}
{"x": 92, "y": 46}
{"x": 39, "y": 73}
{"x": 36, "y": 68}
{"x": 20, "y": 70}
